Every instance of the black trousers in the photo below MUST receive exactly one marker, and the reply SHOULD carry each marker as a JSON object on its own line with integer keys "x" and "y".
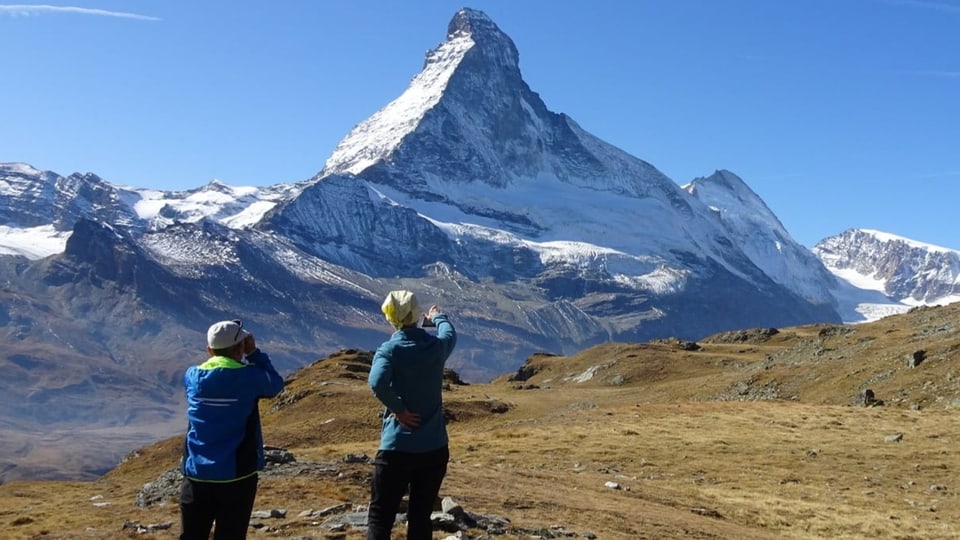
{"x": 228, "y": 503}
{"x": 393, "y": 473}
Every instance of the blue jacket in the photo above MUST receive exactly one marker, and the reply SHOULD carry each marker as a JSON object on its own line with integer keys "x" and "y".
{"x": 407, "y": 375}
{"x": 224, "y": 442}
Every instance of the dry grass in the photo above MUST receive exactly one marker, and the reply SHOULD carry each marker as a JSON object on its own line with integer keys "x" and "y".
{"x": 751, "y": 437}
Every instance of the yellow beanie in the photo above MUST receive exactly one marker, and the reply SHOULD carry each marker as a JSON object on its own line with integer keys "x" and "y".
{"x": 401, "y": 308}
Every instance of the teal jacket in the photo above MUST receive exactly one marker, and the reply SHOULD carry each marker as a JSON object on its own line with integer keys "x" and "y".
{"x": 224, "y": 442}
{"x": 407, "y": 375}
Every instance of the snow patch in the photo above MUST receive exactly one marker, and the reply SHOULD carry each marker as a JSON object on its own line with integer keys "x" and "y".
{"x": 586, "y": 375}
{"x": 887, "y": 237}
{"x": 249, "y": 216}
{"x": 32, "y": 243}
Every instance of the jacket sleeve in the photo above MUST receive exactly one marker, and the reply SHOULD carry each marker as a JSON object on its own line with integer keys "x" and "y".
{"x": 446, "y": 334}
{"x": 381, "y": 382}
{"x": 270, "y": 382}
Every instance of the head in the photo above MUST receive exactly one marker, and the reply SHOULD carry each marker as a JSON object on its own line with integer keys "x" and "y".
{"x": 225, "y": 338}
{"x": 401, "y": 308}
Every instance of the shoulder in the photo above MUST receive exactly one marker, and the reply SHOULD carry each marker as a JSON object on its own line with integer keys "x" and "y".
{"x": 386, "y": 348}
{"x": 393, "y": 341}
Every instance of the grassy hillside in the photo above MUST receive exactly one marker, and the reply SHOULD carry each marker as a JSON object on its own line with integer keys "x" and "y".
{"x": 755, "y": 434}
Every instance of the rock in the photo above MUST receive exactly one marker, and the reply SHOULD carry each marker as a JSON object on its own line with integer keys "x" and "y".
{"x": 352, "y": 519}
{"x": 896, "y": 437}
{"x": 463, "y": 519}
{"x": 337, "y": 508}
{"x": 754, "y": 335}
{"x": 708, "y": 512}
{"x": 612, "y": 485}
{"x": 916, "y": 358}
{"x": 444, "y": 522}
{"x": 278, "y": 513}
{"x": 165, "y": 488}
{"x": 499, "y": 408}
{"x": 453, "y": 377}
{"x": 147, "y": 529}
{"x": 273, "y": 454}
{"x": 451, "y": 507}
{"x": 527, "y": 370}
{"x": 356, "y": 458}
{"x": 867, "y": 399}
{"x": 491, "y": 524}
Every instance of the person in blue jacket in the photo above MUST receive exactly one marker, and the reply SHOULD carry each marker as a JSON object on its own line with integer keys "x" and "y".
{"x": 407, "y": 377}
{"x": 223, "y": 450}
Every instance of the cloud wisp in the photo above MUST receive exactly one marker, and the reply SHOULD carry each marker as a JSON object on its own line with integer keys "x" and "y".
{"x": 40, "y": 9}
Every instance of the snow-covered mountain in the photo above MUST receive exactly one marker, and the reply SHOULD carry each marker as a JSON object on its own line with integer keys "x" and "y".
{"x": 762, "y": 237}
{"x": 534, "y": 234}
{"x": 30, "y": 198}
{"x": 470, "y": 186}
{"x": 469, "y": 168}
{"x": 881, "y": 273}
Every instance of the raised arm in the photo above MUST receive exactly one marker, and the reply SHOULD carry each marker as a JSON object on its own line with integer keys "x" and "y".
{"x": 446, "y": 333}
{"x": 269, "y": 381}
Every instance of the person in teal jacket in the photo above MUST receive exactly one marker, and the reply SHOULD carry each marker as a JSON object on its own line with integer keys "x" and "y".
{"x": 407, "y": 377}
{"x": 223, "y": 449}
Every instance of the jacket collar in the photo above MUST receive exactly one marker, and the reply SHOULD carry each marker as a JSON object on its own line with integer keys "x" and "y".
{"x": 221, "y": 362}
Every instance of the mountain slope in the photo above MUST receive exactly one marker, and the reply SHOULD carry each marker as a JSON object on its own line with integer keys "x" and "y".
{"x": 762, "y": 237}
{"x": 751, "y": 436}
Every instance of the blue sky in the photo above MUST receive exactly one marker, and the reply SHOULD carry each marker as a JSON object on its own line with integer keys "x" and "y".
{"x": 838, "y": 113}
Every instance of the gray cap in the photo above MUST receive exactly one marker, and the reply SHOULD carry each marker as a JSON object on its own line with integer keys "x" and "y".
{"x": 226, "y": 334}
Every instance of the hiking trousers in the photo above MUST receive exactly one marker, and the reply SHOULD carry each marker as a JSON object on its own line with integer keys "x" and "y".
{"x": 229, "y": 504}
{"x": 394, "y": 472}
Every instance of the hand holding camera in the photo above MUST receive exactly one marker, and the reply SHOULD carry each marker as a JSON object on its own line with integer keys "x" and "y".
{"x": 427, "y": 320}
{"x": 249, "y": 344}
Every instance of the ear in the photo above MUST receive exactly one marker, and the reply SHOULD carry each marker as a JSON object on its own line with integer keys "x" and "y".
{"x": 209, "y": 351}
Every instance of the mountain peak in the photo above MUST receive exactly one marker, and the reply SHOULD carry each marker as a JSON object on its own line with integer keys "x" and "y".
{"x": 727, "y": 191}
{"x": 725, "y": 177}
{"x": 722, "y": 179}
{"x": 470, "y": 34}
{"x": 906, "y": 271}
{"x": 467, "y": 19}
{"x": 18, "y": 168}
{"x": 486, "y": 35}
{"x": 765, "y": 240}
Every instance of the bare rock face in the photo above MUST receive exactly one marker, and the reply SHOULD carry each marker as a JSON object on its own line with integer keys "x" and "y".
{"x": 909, "y": 270}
